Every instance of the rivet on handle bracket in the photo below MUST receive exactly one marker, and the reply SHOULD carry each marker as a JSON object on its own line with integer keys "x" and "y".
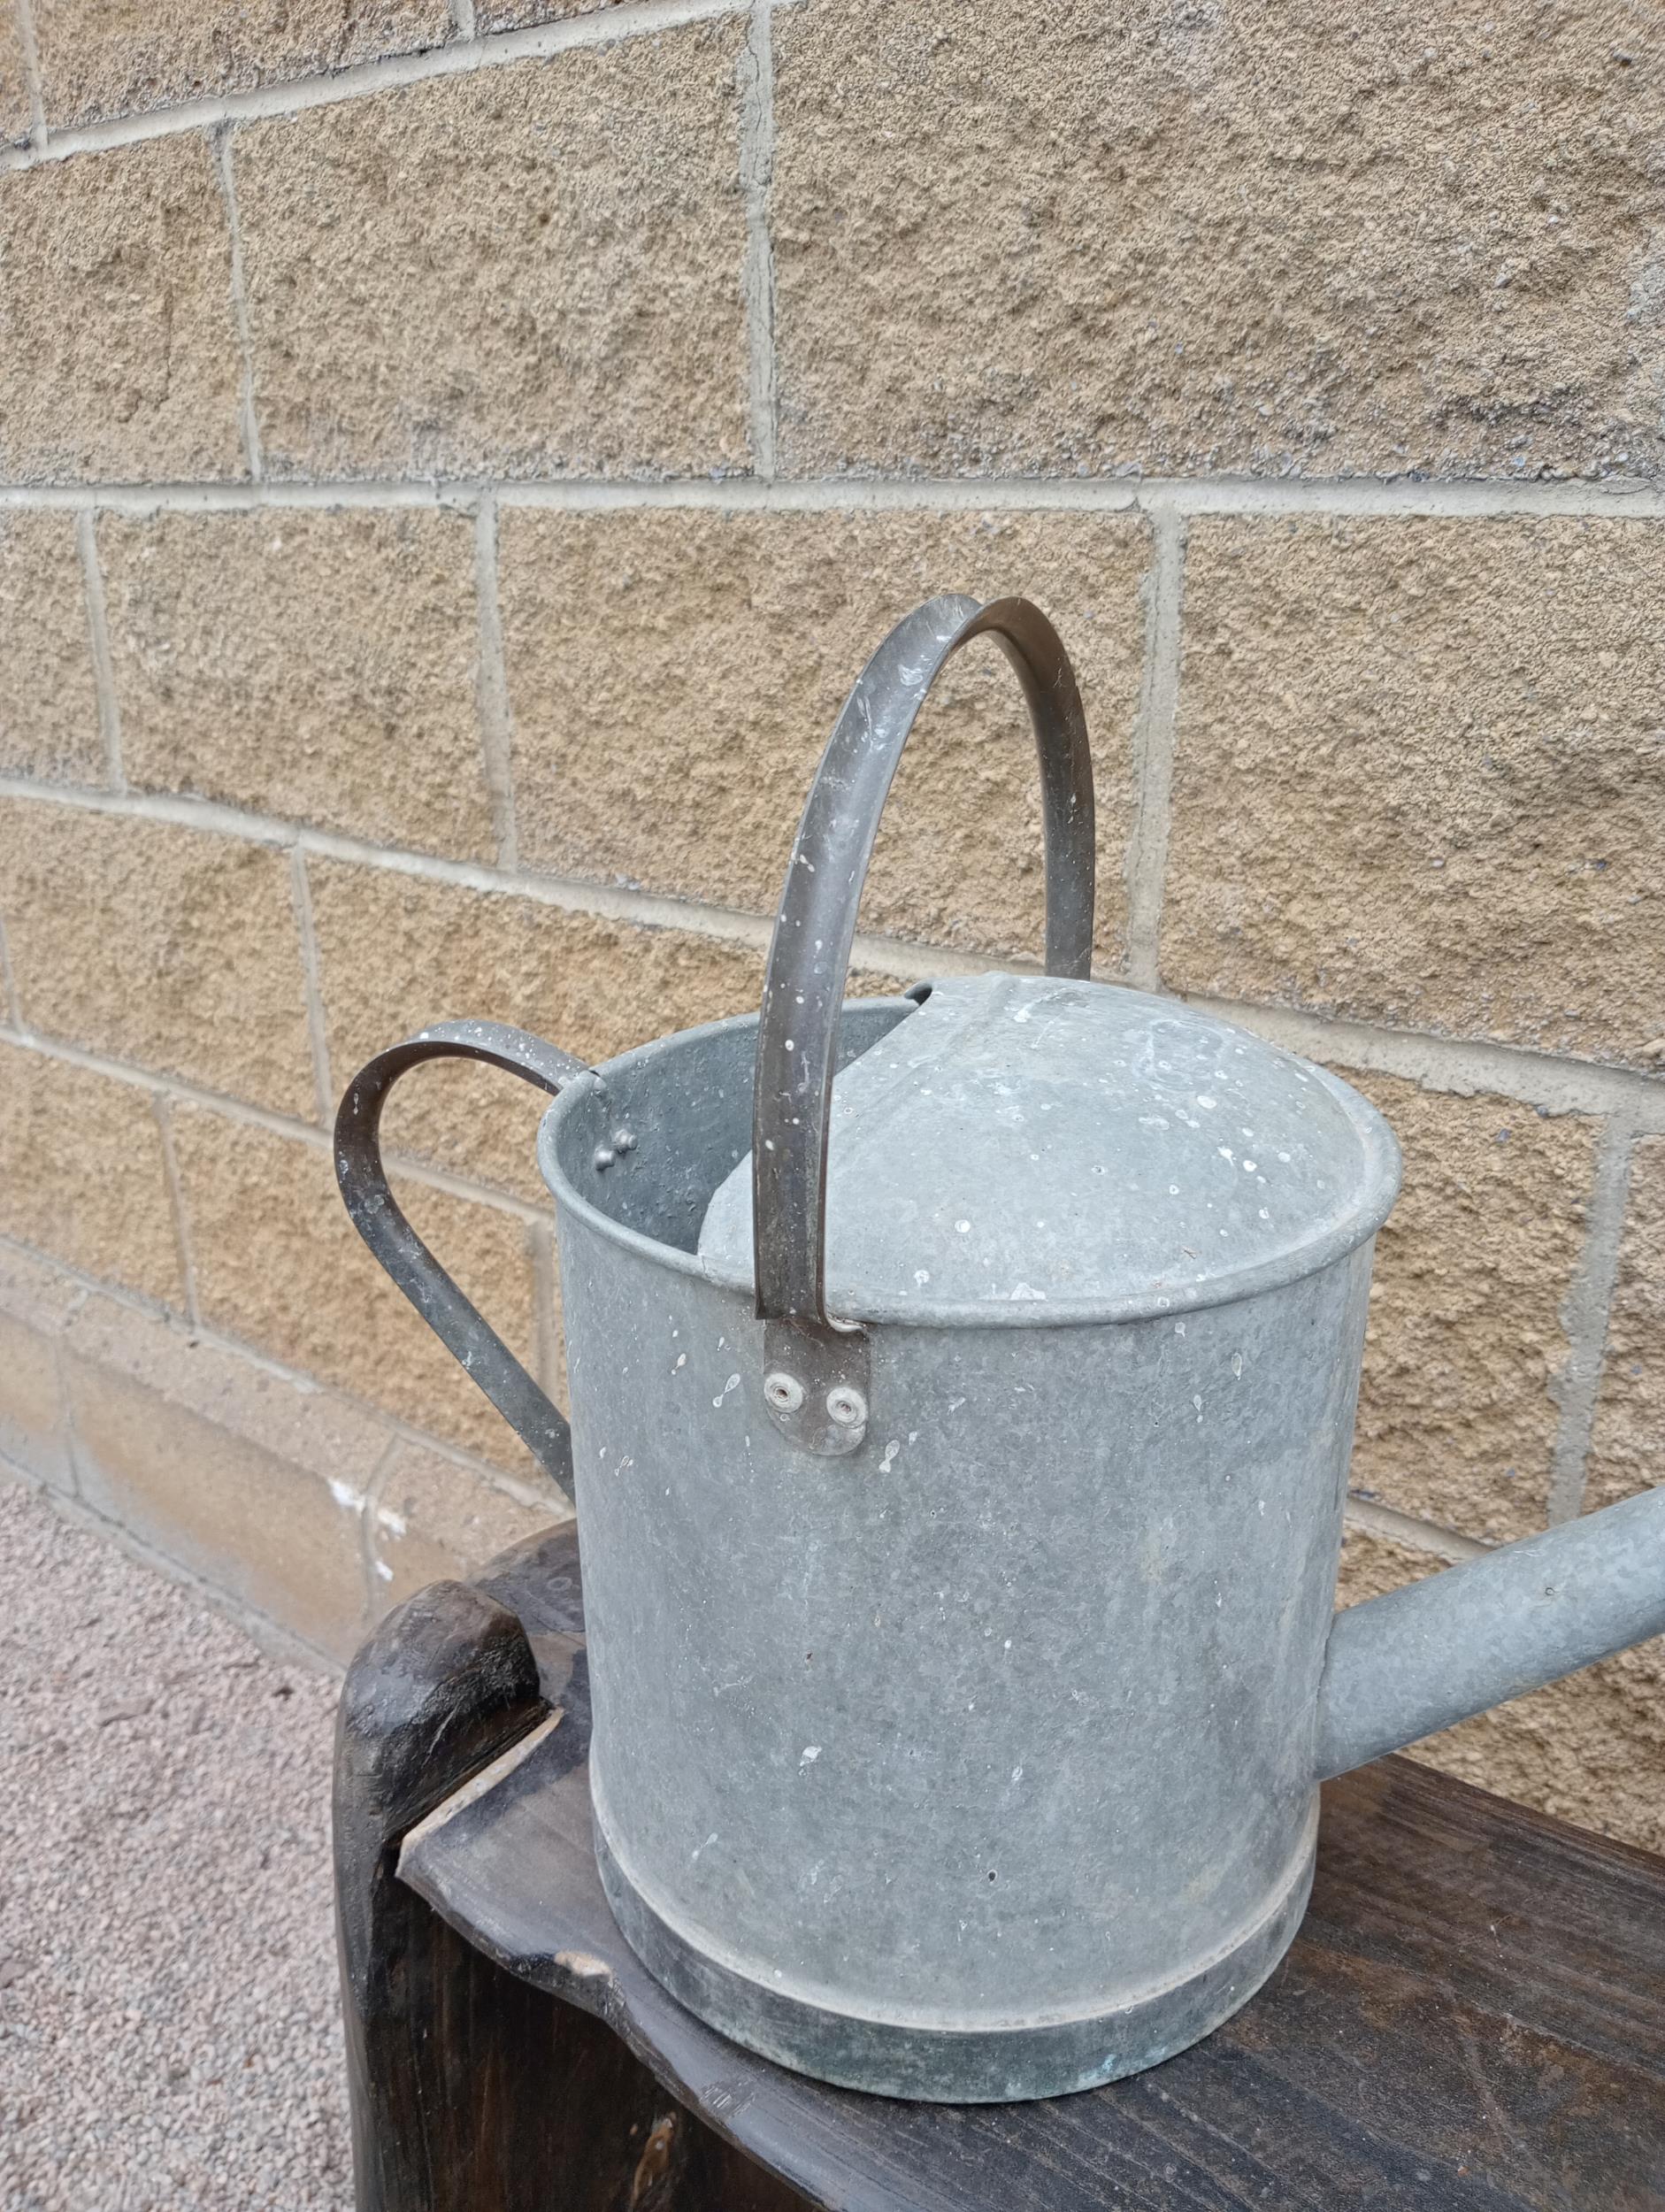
{"x": 816, "y": 1385}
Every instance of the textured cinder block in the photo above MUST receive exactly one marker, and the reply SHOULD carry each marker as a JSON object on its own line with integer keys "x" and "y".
{"x": 1419, "y": 776}
{"x": 120, "y": 56}
{"x": 318, "y": 666}
{"x": 1080, "y": 239}
{"x": 1590, "y": 1749}
{"x": 35, "y": 1301}
{"x": 396, "y": 953}
{"x": 1627, "y": 1447}
{"x": 250, "y": 1481}
{"x": 82, "y": 1174}
{"x": 174, "y": 948}
{"x": 49, "y": 711}
{"x": 280, "y": 1266}
{"x": 434, "y": 1520}
{"x": 14, "y": 87}
{"x": 507, "y": 15}
{"x": 528, "y": 270}
{"x": 1457, "y": 1413}
{"x": 674, "y": 677}
{"x": 119, "y": 356}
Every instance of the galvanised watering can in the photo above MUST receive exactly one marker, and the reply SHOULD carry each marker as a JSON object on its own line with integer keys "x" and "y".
{"x": 962, "y": 1387}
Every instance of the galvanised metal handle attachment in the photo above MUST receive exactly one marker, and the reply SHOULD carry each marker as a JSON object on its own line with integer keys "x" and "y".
{"x": 454, "y": 1320}
{"x": 817, "y": 1373}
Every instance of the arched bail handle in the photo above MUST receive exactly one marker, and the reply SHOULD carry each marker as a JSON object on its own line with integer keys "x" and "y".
{"x": 817, "y": 1371}
{"x": 458, "y": 1323}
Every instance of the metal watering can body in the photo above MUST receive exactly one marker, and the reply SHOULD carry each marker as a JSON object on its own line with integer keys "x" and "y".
{"x": 962, "y": 1655}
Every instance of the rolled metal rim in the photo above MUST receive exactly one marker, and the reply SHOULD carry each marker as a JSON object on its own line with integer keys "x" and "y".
{"x": 1373, "y": 1194}
{"x": 980, "y": 2057}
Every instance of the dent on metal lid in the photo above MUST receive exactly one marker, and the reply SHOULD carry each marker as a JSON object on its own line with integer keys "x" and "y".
{"x": 1024, "y": 1149}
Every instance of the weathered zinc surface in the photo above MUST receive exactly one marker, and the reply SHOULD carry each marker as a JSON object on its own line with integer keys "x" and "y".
{"x": 1305, "y": 365}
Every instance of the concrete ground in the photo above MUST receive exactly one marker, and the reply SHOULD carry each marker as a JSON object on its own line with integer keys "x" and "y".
{"x": 169, "y": 2034}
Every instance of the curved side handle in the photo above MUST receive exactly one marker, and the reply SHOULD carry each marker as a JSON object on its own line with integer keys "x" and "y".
{"x": 815, "y": 1384}
{"x": 1400, "y": 1667}
{"x": 454, "y": 1320}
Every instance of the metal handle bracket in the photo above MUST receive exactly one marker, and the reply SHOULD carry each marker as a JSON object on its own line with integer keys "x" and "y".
{"x": 458, "y": 1324}
{"x": 816, "y": 1379}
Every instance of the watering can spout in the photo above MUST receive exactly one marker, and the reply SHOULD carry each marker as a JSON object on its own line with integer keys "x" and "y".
{"x": 1402, "y": 1666}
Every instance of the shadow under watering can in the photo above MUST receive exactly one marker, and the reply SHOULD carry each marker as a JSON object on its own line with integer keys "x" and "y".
{"x": 963, "y": 1390}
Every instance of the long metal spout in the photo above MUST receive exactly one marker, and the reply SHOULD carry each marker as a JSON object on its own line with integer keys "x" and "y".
{"x": 1400, "y": 1667}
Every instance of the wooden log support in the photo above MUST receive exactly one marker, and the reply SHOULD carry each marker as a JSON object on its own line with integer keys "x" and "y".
{"x": 470, "y": 2090}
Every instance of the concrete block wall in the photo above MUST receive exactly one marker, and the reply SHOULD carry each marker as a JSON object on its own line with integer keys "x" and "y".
{"x": 453, "y": 460}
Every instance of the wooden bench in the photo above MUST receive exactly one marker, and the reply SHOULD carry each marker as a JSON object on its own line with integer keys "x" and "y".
{"x": 1473, "y": 2014}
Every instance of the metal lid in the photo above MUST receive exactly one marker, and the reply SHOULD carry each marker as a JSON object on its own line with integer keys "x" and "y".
{"x": 1026, "y": 1149}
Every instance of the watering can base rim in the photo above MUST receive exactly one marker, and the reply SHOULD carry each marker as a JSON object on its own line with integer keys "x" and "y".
{"x": 996, "y": 2064}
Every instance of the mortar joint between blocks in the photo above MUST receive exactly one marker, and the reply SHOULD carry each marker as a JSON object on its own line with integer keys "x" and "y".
{"x": 542, "y": 41}
{"x": 105, "y": 694}
{"x": 757, "y": 153}
{"x": 316, "y": 1033}
{"x": 1443, "y": 1544}
{"x": 1154, "y": 723}
{"x": 1194, "y": 498}
{"x": 9, "y": 982}
{"x": 1465, "y": 1066}
{"x": 247, "y": 417}
{"x": 1584, "y": 1317}
{"x": 248, "y": 1115}
{"x": 159, "y": 1107}
{"x": 492, "y": 700}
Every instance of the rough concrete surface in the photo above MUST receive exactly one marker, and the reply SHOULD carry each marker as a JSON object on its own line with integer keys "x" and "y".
{"x": 1230, "y": 236}
{"x": 674, "y": 677}
{"x": 48, "y": 713}
{"x": 279, "y": 1266}
{"x": 395, "y": 952}
{"x": 83, "y": 1174}
{"x": 120, "y": 56}
{"x": 169, "y": 2037}
{"x": 178, "y": 949}
{"x": 1419, "y": 776}
{"x": 1466, "y": 1344}
{"x": 119, "y": 356}
{"x": 320, "y": 667}
{"x": 14, "y": 89}
{"x": 1627, "y": 1450}
{"x": 577, "y": 310}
